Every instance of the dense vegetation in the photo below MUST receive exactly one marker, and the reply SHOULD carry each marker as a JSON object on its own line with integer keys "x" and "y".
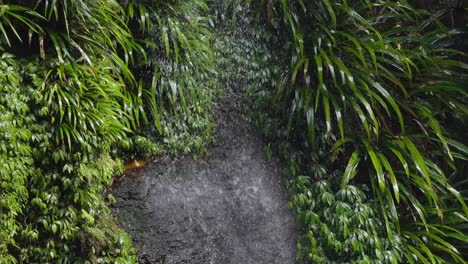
{"x": 365, "y": 101}
{"x": 370, "y": 118}
{"x": 84, "y": 84}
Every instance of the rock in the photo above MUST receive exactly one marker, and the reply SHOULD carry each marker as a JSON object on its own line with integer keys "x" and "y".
{"x": 229, "y": 207}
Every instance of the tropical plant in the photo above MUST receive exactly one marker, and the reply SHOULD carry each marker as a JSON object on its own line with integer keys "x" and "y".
{"x": 177, "y": 84}
{"x": 78, "y": 78}
{"x": 52, "y": 183}
{"x": 373, "y": 91}
{"x": 369, "y": 117}
{"x": 64, "y": 96}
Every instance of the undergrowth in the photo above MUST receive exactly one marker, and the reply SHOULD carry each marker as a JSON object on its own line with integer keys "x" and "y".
{"x": 83, "y": 85}
{"x": 365, "y": 103}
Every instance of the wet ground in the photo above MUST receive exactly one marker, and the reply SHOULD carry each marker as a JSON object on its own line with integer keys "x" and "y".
{"x": 229, "y": 207}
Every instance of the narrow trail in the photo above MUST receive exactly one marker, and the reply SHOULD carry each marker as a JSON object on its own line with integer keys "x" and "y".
{"x": 229, "y": 207}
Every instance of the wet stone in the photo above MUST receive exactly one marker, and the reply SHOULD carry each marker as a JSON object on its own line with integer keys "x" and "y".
{"x": 228, "y": 207}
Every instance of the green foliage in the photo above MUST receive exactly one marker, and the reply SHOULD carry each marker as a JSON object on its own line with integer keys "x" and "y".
{"x": 68, "y": 30}
{"x": 374, "y": 92}
{"x": 82, "y": 82}
{"x": 15, "y": 158}
{"x": 367, "y": 99}
{"x": 79, "y": 98}
{"x": 53, "y": 172}
{"x": 178, "y": 75}
{"x": 341, "y": 224}
{"x": 244, "y": 58}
